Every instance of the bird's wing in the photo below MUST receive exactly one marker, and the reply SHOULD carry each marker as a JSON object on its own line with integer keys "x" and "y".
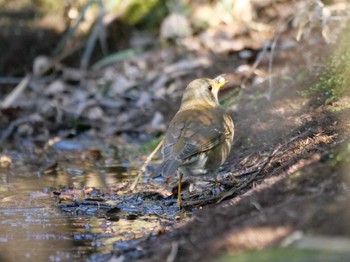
{"x": 200, "y": 139}
{"x": 188, "y": 136}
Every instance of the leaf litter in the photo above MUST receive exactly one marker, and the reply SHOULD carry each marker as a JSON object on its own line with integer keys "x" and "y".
{"x": 85, "y": 131}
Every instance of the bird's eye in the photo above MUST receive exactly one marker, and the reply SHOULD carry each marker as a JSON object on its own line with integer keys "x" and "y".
{"x": 210, "y": 87}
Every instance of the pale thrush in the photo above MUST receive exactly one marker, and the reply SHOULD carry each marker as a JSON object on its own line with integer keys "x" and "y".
{"x": 200, "y": 135}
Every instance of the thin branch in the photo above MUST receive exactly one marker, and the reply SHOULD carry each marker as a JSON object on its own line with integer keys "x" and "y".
{"x": 273, "y": 47}
{"x": 219, "y": 198}
{"x": 247, "y": 182}
{"x": 14, "y": 124}
{"x": 98, "y": 33}
{"x": 16, "y": 92}
{"x": 71, "y": 30}
{"x": 268, "y": 160}
{"x": 255, "y": 65}
{"x": 143, "y": 168}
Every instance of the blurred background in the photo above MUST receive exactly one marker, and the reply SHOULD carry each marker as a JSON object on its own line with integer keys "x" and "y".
{"x": 88, "y": 87}
{"x": 93, "y": 60}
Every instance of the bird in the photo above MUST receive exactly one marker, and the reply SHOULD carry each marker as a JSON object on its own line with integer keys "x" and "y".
{"x": 199, "y": 137}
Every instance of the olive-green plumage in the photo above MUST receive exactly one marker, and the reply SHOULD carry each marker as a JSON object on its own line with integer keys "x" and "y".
{"x": 200, "y": 135}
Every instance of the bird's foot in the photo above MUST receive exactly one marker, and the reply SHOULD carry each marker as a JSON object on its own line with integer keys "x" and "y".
{"x": 232, "y": 177}
{"x": 217, "y": 183}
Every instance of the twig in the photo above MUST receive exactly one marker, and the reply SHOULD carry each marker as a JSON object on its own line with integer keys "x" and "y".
{"x": 14, "y": 124}
{"x": 199, "y": 202}
{"x": 143, "y": 168}
{"x": 245, "y": 173}
{"x": 268, "y": 160}
{"x": 10, "y": 80}
{"x": 219, "y": 198}
{"x": 71, "y": 30}
{"x": 247, "y": 182}
{"x": 115, "y": 57}
{"x": 172, "y": 255}
{"x": 273, "y": 47}
{"x": 98, "y": 32}
{"x": 16, "y": 92}
{"x": 255, "y": 65}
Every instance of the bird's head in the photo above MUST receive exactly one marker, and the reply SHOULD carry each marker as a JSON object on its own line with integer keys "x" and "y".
{"x": 203, "y": 92}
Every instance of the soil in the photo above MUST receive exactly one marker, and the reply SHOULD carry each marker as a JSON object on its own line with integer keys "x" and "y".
{"x": 301, "y": 143}
{"x": 303, "y": 188}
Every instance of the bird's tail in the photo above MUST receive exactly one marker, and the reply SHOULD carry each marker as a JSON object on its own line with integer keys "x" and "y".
{"x": 166, "y": 169}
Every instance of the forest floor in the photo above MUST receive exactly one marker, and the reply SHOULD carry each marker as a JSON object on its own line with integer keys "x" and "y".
{"x": 285, "y": 183}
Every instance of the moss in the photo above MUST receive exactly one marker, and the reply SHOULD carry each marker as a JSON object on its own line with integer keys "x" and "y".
{"x": 47, "y": 6}
{"x": 136, "y": 10}
{"x": 338, "y": 156}
{"x": 153, "y": 18}
{"x": 333, "y": 80}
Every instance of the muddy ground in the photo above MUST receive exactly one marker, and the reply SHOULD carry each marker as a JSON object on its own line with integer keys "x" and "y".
{"x": 304, "y": 188}
{"x": 285, "y": 183}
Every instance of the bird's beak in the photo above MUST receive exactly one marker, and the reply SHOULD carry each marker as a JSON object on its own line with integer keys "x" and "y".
{"x": 220, "y": 81}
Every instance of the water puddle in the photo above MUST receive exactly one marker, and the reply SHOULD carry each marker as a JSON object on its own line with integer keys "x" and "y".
{"x": 72, "y": 203}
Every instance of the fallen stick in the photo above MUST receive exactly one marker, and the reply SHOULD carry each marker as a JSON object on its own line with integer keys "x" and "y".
{"x": 247, "y": 182}
{"x": 16, "y": 92}
{"x": 268, "y": 160}
{"x": 143, "y": 168}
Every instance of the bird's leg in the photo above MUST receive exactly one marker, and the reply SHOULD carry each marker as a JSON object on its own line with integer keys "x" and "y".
{"x": 179, "y": 199}
{"x": 217, "y": 184}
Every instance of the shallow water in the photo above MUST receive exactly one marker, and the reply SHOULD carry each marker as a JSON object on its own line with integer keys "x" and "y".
{"x": 72, "y": 209}
{"x": 31, "y": 226}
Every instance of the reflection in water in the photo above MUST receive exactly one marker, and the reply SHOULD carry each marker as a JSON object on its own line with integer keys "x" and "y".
{"x": 31, "y": 225}
{"x": 31, "y": 228}
{"x": 37, "y": 224}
